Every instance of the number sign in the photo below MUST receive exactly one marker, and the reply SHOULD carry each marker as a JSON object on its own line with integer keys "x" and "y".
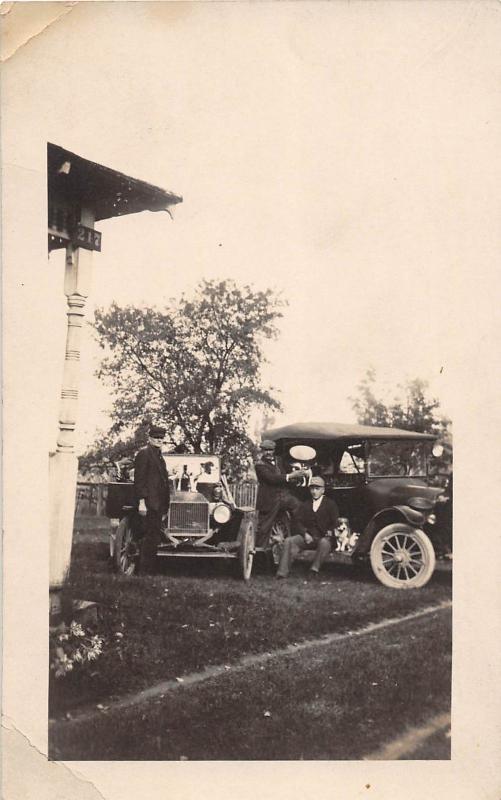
{"x": 87, "y": 238}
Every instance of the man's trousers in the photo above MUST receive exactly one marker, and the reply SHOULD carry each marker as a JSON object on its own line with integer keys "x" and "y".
{"x": 150, "y": 541}
{"x": 283, "y": 502}
{"x": 293, "y": 546}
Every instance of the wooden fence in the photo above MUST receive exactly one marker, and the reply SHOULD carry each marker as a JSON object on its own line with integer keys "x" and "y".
{"x": 91, "y": 497}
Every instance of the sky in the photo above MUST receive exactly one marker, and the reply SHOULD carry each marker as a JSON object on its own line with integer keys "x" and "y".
{"x": 344, "y": 153}
{"x": 322, "y": 150}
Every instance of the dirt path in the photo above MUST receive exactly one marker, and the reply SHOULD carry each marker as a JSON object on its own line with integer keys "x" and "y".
{"x": 159, "y": 689}
{"x": 407, "y": 744}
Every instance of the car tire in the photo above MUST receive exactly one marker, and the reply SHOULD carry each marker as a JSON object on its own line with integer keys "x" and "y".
{"x": 111, "y": 551}
{"x": 246, "y": 548}
{"x": 402, "y": 557}
{"x": 112, "y": 541}
{"x": 126, "y": 549}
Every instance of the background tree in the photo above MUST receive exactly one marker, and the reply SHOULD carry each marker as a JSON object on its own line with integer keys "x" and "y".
{"x": 410, "y": 409}
{"x": 195, "y": 366}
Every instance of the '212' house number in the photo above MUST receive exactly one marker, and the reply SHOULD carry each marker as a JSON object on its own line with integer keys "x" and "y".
{"x": 87, "y": 238}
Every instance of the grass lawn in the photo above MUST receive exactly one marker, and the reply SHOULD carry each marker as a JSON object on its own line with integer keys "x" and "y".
{"x": 339, "y": 701}
{"x": 196, "y": 614}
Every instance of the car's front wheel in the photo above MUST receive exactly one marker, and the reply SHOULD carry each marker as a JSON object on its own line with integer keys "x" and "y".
{"x": 402, "y": 557}
{"x": 126, "y": 549}
{"x": 246, "y": 548}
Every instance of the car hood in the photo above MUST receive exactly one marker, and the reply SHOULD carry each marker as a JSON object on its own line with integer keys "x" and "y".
{"x": 387, "y": 492}
{"x": 187, "y": 497}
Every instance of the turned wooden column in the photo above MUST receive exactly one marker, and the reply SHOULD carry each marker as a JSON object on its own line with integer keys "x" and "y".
{"x": 63, "y": 463}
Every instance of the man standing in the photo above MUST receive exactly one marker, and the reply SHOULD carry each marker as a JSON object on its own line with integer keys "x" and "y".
{"x": 316, "y": 520}
{"x": 272, "y": 493}
{"x": 151, "y": 486}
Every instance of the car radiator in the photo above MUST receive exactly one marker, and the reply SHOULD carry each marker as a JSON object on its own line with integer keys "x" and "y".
{"x": 188, "y": 518}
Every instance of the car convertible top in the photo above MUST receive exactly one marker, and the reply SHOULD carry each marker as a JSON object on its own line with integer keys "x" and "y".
{"x": 327, "y": 431}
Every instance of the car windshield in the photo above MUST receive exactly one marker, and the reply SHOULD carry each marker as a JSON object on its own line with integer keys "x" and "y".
{"x": 352, "y": 461}
{"x": 189, "y": 471}
{"x": 397, "y": 458}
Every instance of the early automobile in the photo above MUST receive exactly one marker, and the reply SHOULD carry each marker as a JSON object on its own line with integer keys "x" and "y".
{"x": 203, "y": 520}
{"x": 391, "y": 515}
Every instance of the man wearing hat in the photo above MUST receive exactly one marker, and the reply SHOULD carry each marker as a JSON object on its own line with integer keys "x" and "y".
{"x": 316, "y": 520}
{"x": 272, "y": 493}
{"x": 151, "y": 487}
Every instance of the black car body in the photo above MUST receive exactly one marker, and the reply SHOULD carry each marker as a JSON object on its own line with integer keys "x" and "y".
{"x": 379, "y": 478}
{"x": 202, "y": 521}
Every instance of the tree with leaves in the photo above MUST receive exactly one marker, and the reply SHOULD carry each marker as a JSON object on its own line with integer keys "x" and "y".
{"x": 410, "y": 409}
{"x": 194, "y": 366}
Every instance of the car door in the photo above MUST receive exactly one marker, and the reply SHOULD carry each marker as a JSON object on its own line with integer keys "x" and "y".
{"x": 349, "y": 487}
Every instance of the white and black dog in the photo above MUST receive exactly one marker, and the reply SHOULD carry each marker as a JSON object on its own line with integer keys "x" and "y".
{"x": 346, "y": 540}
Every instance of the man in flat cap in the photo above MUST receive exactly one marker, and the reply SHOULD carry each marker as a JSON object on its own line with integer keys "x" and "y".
{"x": 315, "y": 521}
{"x": 273, "y": 495}
{"x": 151, "y": 486}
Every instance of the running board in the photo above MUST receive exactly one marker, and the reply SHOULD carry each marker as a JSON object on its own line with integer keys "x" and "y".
{"x": 163, "y": 554}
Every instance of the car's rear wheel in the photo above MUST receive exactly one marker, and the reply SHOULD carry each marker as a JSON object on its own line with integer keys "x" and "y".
{"x": 126, "y": 549}
{"x": 111, "y": 542}
{"x": 246, "y": 547}
{"x": 402, "y": 557}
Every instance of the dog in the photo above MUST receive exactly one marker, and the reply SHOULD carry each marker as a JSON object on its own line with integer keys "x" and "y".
{"x": 346, "y": 540}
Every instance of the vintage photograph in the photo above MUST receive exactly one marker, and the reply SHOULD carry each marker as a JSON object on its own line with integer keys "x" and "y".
{"x": 244, "y": 325}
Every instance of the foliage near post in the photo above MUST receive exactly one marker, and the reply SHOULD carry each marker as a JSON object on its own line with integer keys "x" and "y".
{"x": 195, "y": 366}
{"x": 410, "y": 409}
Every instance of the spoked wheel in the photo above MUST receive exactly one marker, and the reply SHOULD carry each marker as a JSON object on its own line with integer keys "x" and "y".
{"x": 111, "y": 541}
{"x": 279, "y": 533}
{"x": 126, "y": 549}
{"x": 402, "y": 557}
{"x": 246, "y": 548}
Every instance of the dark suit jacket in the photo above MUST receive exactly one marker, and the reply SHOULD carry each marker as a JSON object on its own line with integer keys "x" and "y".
{"x": 317, "y": 523}
{"x": 151, "y": 480}
{"x": 271, "y": 482}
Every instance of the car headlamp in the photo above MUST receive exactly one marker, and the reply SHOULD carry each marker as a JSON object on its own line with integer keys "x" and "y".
{"x": 431, "y": 519}
{"x": 221, "y": 513}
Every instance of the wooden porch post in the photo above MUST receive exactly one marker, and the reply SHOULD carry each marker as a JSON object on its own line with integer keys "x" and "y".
{"x": 63, "y": 463}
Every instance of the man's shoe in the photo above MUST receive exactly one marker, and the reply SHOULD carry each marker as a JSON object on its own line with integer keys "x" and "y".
{"x": 312, "y": 575}
{"x": 281, "y": 577}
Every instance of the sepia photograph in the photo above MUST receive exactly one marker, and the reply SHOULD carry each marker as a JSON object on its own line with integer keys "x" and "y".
{"x": 249, "y": 336}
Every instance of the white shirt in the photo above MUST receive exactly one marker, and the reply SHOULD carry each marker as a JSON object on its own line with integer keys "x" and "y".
{"x": 316, "y": 503}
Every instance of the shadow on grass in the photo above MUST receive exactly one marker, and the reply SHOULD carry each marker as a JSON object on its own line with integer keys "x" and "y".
{"x": 92, "y": 553}
{"x": 195, "y": 613}
{"x": 341, "y": 701}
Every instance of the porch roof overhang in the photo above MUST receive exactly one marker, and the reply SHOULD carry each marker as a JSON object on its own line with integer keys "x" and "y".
{"x": 75, "y": 183}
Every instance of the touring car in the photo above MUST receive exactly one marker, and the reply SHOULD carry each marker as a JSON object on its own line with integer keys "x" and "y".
{"x": 380, "y": 478}
{"x": 203, "y": 520}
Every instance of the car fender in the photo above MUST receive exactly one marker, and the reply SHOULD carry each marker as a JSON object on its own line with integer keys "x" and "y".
{"x": 387, "y": 516}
